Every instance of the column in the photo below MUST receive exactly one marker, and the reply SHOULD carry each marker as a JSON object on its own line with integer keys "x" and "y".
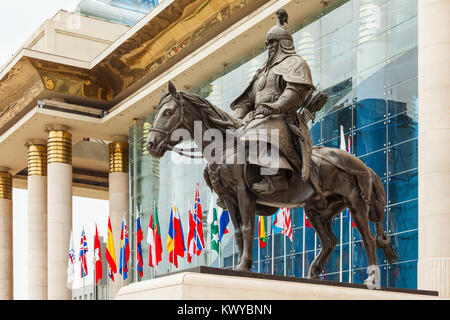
{"x": 59, "y": 211}
{"x": 6, "y": 229}
{"x": 434, "y": 134}
{"x": 37, "y": 220}
{"x": 119, "y": 199}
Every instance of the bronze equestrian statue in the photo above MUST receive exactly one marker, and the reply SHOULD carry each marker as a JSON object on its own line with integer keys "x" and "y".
{"x": 324, "y": 181}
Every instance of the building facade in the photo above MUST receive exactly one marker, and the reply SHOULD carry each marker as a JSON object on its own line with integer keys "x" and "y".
{"x": 82, "y": 93}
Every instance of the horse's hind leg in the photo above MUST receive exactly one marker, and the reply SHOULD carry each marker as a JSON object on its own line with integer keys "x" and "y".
{"x": 327, "y": 239}
{"x": 361, "y": 218}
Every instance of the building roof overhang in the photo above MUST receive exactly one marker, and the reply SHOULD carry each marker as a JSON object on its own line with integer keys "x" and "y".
{"x": 127, "y": 79}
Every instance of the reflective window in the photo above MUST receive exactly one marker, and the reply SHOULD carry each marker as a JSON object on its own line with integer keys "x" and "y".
{"x": 369, "y": 139}
{"x": 402, "y": 275}
{"x": 364, "y": 56}
{"x": 402, "y": 157}
{"x": 331, "y": 123}
{"x": 402, "y": 187}
{"x": 376, "y": 161}
{"x": 402, "y": 217}
{"x": 368, "y": 111}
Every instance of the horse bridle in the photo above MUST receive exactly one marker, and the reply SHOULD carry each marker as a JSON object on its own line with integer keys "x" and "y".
{"x": 168, "y": 133}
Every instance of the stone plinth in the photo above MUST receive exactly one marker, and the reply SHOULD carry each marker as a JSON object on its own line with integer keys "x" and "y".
{"x": 205, "y": 283}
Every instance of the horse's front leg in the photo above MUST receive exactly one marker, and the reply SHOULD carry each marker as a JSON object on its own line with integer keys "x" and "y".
{"x": 247, "y": 206}
{"x": 237, "y": 223}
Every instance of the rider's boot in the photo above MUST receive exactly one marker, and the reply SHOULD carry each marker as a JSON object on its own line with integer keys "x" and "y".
{"x": 271, "y": 184}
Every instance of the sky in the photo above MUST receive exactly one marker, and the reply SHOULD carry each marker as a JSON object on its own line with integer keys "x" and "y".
{"x": 19, "y": 19}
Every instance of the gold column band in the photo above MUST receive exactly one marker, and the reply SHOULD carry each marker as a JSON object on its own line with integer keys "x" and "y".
{"x": 5, "y": 185}
{"x": 59, "y": 147}
{"x": 118, "y": 157}
{"x": 37, "y": 160}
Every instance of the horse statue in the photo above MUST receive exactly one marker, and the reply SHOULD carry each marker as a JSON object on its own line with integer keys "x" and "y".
{"x": 345, "y": 181}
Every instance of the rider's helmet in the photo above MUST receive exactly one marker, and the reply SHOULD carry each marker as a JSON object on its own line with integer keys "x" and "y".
{"x": 279, "y": 32}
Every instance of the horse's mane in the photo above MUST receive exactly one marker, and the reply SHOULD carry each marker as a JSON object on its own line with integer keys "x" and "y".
{"x": 212, "y": 116}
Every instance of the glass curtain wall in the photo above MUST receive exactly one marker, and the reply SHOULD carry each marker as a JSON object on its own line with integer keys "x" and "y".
{"x": 364, "y": 55}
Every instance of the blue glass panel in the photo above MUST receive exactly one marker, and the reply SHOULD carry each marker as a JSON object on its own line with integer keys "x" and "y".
{"x": 369, "y": 139}
{"x": 403, "y": 275}
{"x": 296, "y": 217}
{"x": 403, "y": 217}
{"x": 368, "y": 111}
{"x": 403, "y": 157}
{"x": 309, "y": 239}
{"x": 297, "y": 242}
{"x": 333, "y": 143}
{"x": 376, "y": 161}
{"x": 294, "y": 265}
{"x": 359, "y": 275}
{"x": 401, "y": 128}
{"x": 278, "y": 266}
{"x": 406, "y": 245}
{"x": 266, "y": 252}
{"x": 332, "y": 265}
{"x": 331, "y": 123}
{"x": 359, "y": 258}
{"x": 345, "y": 257}
{"x": 278, "y": 246}
{"x": 315, "y": 132}
{"x": 403, "y": 187}
{"x": 396, "y": 107}
{"x": 266, "y": 267}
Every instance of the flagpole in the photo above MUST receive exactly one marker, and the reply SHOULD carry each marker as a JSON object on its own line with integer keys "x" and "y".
{"x": 273, "y": 243}
{"x": 303, "y": 244}
{"x": 95, "y": 268}
{"x": 340, "y": 253}
{"x": 349, "y": 248}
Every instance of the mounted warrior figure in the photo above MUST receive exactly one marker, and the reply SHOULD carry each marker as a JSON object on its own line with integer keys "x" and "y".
{"x": 271, "y": 101}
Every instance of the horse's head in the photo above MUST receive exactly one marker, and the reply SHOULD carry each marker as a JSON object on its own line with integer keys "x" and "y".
{"x": 168, "y": 118}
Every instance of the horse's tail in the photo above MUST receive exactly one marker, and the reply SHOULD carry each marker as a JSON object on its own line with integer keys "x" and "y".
{"x": 376, "y": 215}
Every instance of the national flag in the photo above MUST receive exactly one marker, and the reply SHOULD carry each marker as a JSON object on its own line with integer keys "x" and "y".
{"x": 83, "y": 253}
{"x": 191, "y": 249}
{"x": 139, "y": 238}
{"x": 154, "y": 239}
{"x": 198, "y": 218}
{"x": 307, "y": 224}
{"x": 110, "y": 252}
{"x": 98, "y": 257}
{"x": 281, "y": 221}
{"x": 214, "y": 223}
{"x": 175, "y": 239}
{"x": 124, "y": 250}
{"x": 262, "y": 231}
{"x": 347, "y": 148}
{"x": 71, "y": 263}
{"x": 218, "y": 220}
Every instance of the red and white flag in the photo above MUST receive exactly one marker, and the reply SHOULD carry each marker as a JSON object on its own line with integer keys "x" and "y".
{"x": 154, "y": 239}
{"x": 98, "y": 257}
{"x": 283, "y": 222}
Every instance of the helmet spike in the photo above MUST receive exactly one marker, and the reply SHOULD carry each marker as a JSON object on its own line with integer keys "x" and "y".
{"x": 282, "y": 17}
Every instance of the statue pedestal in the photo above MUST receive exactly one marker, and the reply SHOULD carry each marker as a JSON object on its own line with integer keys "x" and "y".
{"x": 205, "y": 283}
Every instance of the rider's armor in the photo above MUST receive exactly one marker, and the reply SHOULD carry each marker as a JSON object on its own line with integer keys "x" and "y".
{"x": 281, "y": 84}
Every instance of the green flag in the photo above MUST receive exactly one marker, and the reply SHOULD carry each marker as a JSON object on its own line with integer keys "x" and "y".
{"x": 214, "y": 224}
